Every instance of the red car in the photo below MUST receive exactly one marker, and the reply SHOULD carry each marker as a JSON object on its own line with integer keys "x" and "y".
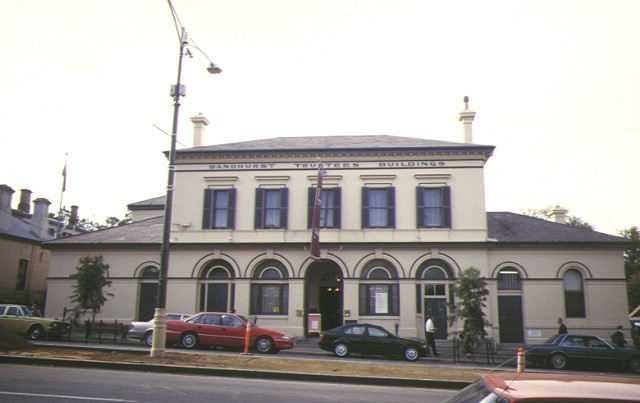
{"x": 225, "y": 330}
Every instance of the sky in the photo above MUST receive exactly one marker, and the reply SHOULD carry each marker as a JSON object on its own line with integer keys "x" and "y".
{"x": 555, "y": 85}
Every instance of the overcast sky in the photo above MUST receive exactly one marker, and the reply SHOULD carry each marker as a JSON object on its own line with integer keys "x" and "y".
{"x": 555, "y": 85}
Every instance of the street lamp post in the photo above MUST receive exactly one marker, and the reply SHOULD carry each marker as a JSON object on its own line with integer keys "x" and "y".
{"x": 158, "y": 348}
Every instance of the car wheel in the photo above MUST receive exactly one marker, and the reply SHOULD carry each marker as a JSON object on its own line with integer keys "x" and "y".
{"x": 264, "y": 345}
{"x": 341, "y": 350}
{"x": 634, "y": 365}
{"x": 558, "y": 361}
{"x": 190, "y": 340}
{"x": 35, "y": 332}
{"x": 411, "y": 354}
{"x": 148, "y": 339}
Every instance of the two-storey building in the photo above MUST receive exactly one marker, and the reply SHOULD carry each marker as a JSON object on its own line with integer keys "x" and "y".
{"x": 400, "y": 219}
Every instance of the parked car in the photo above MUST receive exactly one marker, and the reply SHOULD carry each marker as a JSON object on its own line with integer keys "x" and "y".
{"x": 364, "y": 338}
{"x": 583, "y": 351}
{"x": 143, "y": 331}
{"x": 19, "y": 319}
{"x": 503, "y": 387}
{"x": 221, "y": 329}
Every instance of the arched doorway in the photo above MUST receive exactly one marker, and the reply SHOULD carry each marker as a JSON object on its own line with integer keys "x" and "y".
{"x": 324, "y": 290}
{"x": 510, "y": 318}
{"x": 435, "y": 279}
{"x": 148, "y": 293}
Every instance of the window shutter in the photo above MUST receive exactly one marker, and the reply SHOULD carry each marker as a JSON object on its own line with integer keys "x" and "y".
{"x": 311, "y": 197}
{"x": 337, "y": 203}
{"x": 231, "y": 213}
{"x": 363, "y": 300}
{"x": 365, "y": 208}
{"x": 446, "y": 207}
{"x": 419, "y": 207}
{"x": 259, "y": 209}
{"x": 207, "y": 209}
{"x": 284, "y": 210}
{"x": 391, "y": 207}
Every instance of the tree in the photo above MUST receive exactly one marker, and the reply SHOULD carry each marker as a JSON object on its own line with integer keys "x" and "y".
{"x": 91, "y": 279}
{"x": 571, "y": 220}
{"x": 632, "y": 265}
{"x": 471, "y": 293}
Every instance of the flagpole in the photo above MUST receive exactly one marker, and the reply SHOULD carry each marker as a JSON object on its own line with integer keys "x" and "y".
{"x": 64, "y": 187}
{"x": 315, "y": 228}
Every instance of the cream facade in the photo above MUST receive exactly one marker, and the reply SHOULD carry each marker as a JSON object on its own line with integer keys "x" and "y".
{"x": 401, "y": 218}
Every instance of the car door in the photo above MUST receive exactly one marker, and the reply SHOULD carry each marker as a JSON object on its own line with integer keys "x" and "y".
{"x": 576, "y": 350}
{"x": 208, "y": 329}
{"x": 379, "y": 342}
{"x": 232, "y": 331}
{"x": 600, "y": 354}
{"x": 14, "y": 320}
{"x": 357, "y": 338}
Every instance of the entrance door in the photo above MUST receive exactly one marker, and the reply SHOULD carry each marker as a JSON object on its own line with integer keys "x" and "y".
{"x": 148, "y": 301}
{"x": 437, "y": 307}
{"x": 510, "y": 319}
{"x": 330, "y": 307}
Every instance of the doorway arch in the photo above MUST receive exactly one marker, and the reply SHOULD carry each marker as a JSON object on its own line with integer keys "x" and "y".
{"x": 324, "y": 291}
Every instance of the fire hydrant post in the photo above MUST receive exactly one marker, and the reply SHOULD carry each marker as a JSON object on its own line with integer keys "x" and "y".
{"x": 520, "y": 360}
{"x": 247, "y": 339}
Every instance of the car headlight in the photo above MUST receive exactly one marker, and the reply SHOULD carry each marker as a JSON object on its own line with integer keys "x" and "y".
{"x": 286, "y": 337}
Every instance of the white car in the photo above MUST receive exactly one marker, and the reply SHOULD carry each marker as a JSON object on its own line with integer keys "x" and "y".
{"x": 143, "y": 331}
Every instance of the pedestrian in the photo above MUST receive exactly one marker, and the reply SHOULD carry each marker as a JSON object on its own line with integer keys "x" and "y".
{"x": 618, "y": 338}
{"x": 562, "y": 329}
{"x": 35, "y": 309}
{"x": 430, "y": 332}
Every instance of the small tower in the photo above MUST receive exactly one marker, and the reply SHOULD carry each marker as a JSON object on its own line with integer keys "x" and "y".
{"x": 466, "y": 117}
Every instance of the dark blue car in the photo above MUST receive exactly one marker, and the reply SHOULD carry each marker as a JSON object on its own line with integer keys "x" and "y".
{"x": 583, "y": 351}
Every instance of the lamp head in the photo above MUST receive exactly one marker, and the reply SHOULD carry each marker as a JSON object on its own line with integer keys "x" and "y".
{"x": 214, "y": 69}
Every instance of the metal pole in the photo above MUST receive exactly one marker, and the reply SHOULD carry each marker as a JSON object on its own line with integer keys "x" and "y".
{"x": 158, "y": 348}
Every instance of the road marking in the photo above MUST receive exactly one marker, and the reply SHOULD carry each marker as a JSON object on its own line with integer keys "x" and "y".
{"x": 101, "y": 399}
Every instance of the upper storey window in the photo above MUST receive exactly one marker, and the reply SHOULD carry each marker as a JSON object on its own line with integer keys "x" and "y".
{"x": 330, "y": 200}
{"x": 219, "y": 209}
{"x": 271, "y": 208}
{"x": 433, "y": 207}
{"x": 378, "y": 207}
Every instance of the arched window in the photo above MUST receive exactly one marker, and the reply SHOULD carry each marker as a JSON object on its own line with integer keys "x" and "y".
{"x": 269, "y": 289}
{"x": 509, "y": 279}
{"x": 379, "y": 293}
{"x": 150, "y": 272}
{"x": 216, "y": 287}
{"x": 573, "y": 294}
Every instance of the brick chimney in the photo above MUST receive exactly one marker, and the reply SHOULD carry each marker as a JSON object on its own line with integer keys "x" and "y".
{"x": 559, "y": 214}
{"x": 40, "y": 218}
{"x": 466, "y": 117}
{"x": 5, "y": 207}
{"x": 25, "y": 201}
{"x": 73, "y": 217}
{"x": 199, "y": 123}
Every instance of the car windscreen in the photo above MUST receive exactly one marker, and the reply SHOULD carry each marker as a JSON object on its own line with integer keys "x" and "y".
{"x": 475, "y": 393}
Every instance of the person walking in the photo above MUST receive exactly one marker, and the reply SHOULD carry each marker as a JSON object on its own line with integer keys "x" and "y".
{"x": 562, "y": 329}
{"x": 618, "y": 337}
{"x": 430, "y": 332}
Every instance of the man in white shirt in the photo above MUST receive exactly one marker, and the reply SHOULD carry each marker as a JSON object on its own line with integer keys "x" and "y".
{"x": 430, "y": 331}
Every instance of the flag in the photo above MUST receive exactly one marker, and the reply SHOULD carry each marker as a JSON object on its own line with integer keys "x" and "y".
{"x": 64, "y": 177}
{"x": 315, "y": 228}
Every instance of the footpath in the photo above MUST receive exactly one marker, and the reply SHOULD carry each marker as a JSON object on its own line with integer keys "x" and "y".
{"x": 496, "y": 358}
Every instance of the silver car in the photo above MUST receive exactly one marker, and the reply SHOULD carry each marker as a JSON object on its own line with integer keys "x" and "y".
{"x": 143, "y": 331}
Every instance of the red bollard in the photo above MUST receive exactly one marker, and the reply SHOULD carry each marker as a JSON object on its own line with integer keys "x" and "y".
{"x": 247, "y": 339}
{"x": 520, "y": 360}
